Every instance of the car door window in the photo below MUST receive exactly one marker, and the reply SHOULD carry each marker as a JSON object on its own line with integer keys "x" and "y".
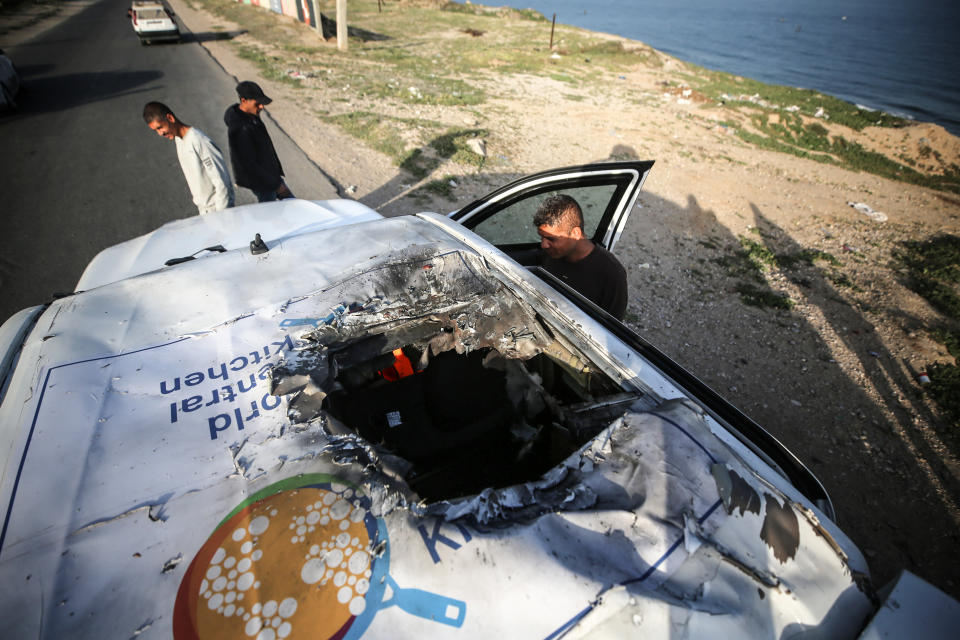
{"x": 513, "y": 224}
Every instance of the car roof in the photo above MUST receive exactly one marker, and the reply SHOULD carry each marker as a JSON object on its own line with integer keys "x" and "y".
{"x": 231, "y": 228}
{"x": 217, "y": 288}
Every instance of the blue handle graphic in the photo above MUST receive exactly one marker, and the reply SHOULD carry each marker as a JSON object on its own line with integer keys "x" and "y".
{"x": 427, "y": 605}
{"x": 300, "y": 322}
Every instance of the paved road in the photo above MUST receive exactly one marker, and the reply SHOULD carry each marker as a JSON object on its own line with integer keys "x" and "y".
{"x": 80, "y": 171}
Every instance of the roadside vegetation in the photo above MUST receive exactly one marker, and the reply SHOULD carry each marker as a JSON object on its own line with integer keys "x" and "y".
{"x": 384, "y": 134}
{"x": 931, "y": 269}
{"x": 415, "y": 55}
{"x": 792, "y": 120}
{"x": 439, "y": 53}
{"x": 790, "y": 132}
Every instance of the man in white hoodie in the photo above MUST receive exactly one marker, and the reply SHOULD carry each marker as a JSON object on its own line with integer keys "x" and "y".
{"x": 202, "y": 162}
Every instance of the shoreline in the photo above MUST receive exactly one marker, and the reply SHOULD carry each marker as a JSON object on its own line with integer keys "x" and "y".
{"x": 883, "y": 100}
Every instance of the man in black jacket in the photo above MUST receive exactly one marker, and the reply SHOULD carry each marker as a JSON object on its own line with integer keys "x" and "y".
{"x": 255, "y": 162}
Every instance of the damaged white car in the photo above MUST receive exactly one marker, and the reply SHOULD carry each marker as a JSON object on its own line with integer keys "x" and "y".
{"x": 303, "y": 420}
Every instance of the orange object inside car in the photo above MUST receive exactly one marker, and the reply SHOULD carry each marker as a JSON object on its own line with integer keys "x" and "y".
{"x": 401, "y": 367}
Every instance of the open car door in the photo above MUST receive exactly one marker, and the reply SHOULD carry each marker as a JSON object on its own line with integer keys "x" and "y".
{"x": 605, "y": 191}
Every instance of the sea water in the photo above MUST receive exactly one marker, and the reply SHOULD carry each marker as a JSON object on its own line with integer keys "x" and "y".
{"x": 899, "y": 56}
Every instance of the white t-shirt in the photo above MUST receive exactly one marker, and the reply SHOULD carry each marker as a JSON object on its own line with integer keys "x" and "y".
{"x": 205, "y": 171}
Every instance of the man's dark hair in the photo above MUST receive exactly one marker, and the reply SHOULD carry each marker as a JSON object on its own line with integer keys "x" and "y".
{"x": 154, "y": 111}
{"x": 556, "y": 209}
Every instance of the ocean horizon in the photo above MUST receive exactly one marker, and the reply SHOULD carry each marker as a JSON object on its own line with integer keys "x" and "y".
{"x": 886, "y": 55}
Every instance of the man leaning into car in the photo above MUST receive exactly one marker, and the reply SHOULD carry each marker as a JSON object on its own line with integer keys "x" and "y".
{"x": 589, "y": 269}
{"x": 201, "y": 160}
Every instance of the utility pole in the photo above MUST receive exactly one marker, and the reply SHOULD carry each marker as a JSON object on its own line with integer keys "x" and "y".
{"x": 342, "y": 25}
{"x": 316, "y": 12}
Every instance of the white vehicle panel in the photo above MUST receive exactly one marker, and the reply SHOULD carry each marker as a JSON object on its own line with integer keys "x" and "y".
{"x": 148, "y": 458}
{"x": 231, "y": 228}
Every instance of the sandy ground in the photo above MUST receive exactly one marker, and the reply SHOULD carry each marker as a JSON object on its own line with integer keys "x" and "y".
{"x": 834, "y": 378}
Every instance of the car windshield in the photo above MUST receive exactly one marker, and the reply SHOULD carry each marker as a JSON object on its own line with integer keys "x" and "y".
{"x": 151, "y": 14}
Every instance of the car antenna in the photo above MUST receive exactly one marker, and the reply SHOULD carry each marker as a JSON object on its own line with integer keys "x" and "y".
{"x": 257, "y": 245}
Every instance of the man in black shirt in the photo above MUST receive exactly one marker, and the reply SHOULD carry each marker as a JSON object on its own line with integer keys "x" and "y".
{"x": 255, "y": 162}
{"x": 571, "y": 256}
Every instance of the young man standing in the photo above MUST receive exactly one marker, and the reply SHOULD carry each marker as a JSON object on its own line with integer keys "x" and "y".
{"x": 255, "y": 162}
{"x": 592, "y": 271}
{"x": 202, "y": 163}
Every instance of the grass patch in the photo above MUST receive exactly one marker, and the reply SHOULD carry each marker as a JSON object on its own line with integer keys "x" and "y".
{"x": 441, "y": 188}
{"x": 772, "y": 144}
{"x": 933, "y": 271}
{"x": 385, "y": 134}
{"x": 270, "y": 66}
{"x": 787, "y": 132}
{"x": 842, "y": 281}
{"x": 764, "y": 299}
{"x": 791, "y": 132}
{"x": 754, "y": 259}
{"x": 453, "y": 145}
{"x": 945, "y": 377}
{"x": 808, "y": 257}
{"x": 495, "y": 12}
{"x": 945, "y": 389}
{"x": 716, "y": 84}
{"x": 380, "y": 133}
{"x": 758, "y": 255}
{"x": 417, "y": 164}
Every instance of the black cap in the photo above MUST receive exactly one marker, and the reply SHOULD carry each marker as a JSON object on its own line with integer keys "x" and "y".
{"x": 252, "y": 91}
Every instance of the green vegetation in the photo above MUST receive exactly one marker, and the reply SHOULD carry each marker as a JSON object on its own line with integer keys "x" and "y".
{"x": 268, "y": 65}
{"x": 807, "y": 256}
{"x": 933, "y": 271}
{"x": 380, "y": 132}
{"x": 756, "y": 257}
{"x": 452, "y": 54}
{"x": 945, "y": 378}
{"x": 442, "y": 188}
{"x": 775, "y": 128}
{"x": 453, "y": 145}
{"x": 716, "y": 84}
{"x": 755, "y": 297}
{"x": 932, "y": 268}
{"x": 495, "y": 12}
{"x": 385, "y": 135}
{"x": 759, "y": 257}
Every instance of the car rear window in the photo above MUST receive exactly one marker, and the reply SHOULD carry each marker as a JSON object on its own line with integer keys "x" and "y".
{"x": 151, "y": 14}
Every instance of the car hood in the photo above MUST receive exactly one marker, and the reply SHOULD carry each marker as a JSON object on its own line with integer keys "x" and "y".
{"x": 160, "y": 437}
{"x": 231, "y": 228}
